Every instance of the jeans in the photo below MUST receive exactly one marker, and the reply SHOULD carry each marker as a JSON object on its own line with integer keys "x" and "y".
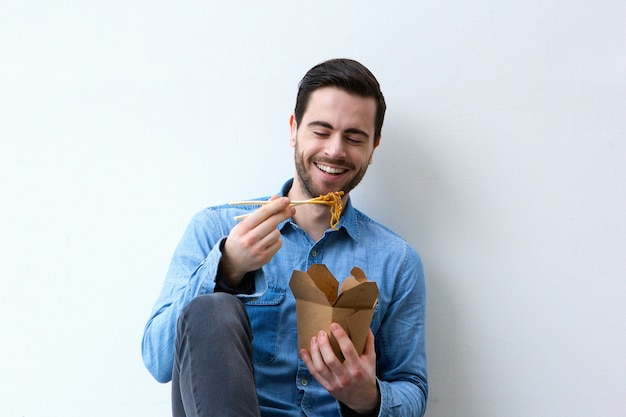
{"x": 213, "y": 373}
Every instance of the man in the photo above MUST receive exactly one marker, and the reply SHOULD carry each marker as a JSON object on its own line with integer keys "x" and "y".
{"x": 224, "y": 327}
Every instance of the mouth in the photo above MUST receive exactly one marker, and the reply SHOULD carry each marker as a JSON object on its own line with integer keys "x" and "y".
{"x": 330, "y": 170}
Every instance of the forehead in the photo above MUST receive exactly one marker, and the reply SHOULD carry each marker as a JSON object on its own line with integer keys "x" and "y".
{"x": 340, "y": 109}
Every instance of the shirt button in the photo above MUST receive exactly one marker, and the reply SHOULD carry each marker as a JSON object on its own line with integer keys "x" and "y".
{"x": 313, "y": 253}
{"x": 304, "y": 382}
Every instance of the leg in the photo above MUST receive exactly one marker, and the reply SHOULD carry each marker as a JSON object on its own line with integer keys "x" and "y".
{"x": 213, "y": 372}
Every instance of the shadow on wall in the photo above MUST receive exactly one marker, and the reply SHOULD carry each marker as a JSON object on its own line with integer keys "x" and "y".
{"x": 408, "y": 190}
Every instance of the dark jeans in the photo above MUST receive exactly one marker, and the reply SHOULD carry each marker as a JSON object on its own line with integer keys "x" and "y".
{"x": 213, "y": 372}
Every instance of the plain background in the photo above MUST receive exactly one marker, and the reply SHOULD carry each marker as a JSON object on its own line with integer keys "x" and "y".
{"x": 503, "y": 161}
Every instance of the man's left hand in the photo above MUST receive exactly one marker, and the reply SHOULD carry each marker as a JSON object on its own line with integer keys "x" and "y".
{"x": 353, "y": 381}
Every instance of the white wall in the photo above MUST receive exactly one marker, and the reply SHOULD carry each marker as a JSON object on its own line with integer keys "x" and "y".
{"x": 502, "y": 161}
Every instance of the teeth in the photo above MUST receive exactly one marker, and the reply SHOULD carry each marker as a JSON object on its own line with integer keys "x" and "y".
{"x": 330, "y": 170}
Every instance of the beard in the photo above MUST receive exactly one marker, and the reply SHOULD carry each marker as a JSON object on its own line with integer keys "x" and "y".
{"x": 310, "y": 189}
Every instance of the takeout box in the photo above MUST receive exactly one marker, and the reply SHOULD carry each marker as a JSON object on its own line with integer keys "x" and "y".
{"x": 319, "y": 303}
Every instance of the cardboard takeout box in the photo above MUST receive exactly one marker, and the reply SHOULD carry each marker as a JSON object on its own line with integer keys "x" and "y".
{"x": 319, "y": 303}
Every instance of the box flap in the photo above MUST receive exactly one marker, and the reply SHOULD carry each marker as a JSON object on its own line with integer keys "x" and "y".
{"x": 304, "y": 288}
{"x": 325, "y": 281}
{"x": 357, "y": 277}
{"x": 362, "y": 296}
{"x": 357, "y": 291}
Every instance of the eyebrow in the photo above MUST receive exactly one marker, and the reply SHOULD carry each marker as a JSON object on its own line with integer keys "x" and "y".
{"x": 327, "y": 125}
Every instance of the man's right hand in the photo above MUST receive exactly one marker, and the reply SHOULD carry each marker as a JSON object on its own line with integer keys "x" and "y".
{"x": 253, "y": 242}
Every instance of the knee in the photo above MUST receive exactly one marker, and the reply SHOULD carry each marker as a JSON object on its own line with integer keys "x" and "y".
{"x": 218, "y": 309}
{"x": 217, "y": 316}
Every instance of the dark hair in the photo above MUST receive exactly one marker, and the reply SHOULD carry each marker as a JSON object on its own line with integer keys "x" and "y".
{"x": 345, "y": 74}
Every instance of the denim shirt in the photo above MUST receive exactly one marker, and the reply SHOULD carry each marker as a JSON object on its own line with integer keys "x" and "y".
{"x": 284, "y": 385}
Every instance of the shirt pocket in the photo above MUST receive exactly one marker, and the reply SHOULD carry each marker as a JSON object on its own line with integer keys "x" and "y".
{"x": 264, "y": 313}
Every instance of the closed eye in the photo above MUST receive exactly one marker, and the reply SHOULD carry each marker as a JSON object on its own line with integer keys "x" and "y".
{"x": 355, "y": 140}
{"x": 321, "y": 134}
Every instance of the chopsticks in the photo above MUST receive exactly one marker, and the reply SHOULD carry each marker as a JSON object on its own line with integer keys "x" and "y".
{"x": 332, "y": 199}
{"x": 263, "y": 202}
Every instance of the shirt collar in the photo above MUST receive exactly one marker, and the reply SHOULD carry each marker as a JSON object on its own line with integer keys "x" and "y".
{"x": 347, "y": 221}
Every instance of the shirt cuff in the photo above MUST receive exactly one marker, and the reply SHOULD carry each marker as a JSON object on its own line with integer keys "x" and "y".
{"x": 348, "y": 412}
{"x": 246, "y": 286}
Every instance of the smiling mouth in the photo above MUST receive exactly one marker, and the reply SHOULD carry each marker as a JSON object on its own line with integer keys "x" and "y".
{"x": 330, "y": 170}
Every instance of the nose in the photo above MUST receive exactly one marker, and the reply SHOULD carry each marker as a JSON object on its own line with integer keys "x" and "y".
{"x": 335, "y": 147}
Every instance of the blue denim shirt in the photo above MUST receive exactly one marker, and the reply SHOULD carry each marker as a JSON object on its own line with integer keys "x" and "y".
{"x": 284, "y": 385}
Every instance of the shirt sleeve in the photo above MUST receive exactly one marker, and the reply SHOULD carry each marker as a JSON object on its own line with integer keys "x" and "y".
{"x": 401, "y": 347}
{"x": 192, "y": 272}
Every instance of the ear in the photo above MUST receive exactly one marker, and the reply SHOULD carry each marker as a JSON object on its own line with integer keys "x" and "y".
{"x": 376, "y": 143}
{"x": 293, "y": 128}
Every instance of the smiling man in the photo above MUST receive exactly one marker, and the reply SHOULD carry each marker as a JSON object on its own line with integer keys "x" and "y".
{"x": 333, "y": 149}
{"x": 224, "y": 327}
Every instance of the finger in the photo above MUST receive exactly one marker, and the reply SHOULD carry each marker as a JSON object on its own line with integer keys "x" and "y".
{"x": 313, "y": 358}
{"x": 315, "y": 364}
{"x": 306, "y": 357}
{"x": 328, "y": 354}
{"x": 256, "y": 237}
{"x": 345, "y": 343}
{"x": 316, "y": 355}
{"x": 278, "y": 207}
{"x": 270, "y": 244}
{"x": 269, "y": 239}
{"x": 370, "y": 347}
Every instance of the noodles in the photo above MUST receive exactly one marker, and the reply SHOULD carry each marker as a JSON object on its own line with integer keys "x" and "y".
{"x": 333, "y": 200}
